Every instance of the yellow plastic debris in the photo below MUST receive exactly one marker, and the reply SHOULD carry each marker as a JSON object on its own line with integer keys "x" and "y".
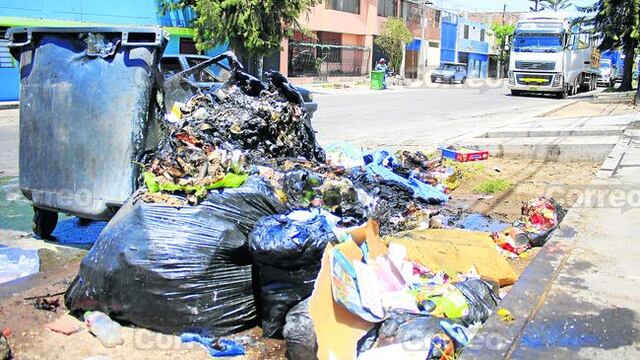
{"x": 505, "y": 315}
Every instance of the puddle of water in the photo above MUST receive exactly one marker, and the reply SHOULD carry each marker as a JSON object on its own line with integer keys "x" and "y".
{"x": 17, "y": 263}
{"x": 16, "y": 212}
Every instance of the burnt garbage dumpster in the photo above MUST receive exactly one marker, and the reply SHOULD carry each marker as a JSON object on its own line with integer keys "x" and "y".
{"x": 87, "y": 115}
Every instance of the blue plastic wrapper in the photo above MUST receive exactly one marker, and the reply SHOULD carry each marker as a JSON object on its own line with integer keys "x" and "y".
{"x": 381, "y": 164}
{"x": 177, "y": 270}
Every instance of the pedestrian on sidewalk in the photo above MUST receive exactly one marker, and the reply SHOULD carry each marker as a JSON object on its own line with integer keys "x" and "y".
{"x": 382, "y": 66}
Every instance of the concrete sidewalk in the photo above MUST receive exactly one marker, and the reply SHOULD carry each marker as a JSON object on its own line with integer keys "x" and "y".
{"x": 580, "y": 297}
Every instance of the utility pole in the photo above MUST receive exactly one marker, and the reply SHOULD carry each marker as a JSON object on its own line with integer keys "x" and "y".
{"x": 535, "y": 7}
{"x": 501, "y": 51}
{"x": 422, "y": 68}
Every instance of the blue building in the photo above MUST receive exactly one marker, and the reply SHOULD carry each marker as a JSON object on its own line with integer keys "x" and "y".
{"x": 465, "y": 42}
{"x": 53, "y": 13}
{"x": 473, "y": 47}
{"x": 449, "y": 38}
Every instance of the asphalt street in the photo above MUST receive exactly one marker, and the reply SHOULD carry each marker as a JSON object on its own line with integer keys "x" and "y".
{"x": 423, "y": 117}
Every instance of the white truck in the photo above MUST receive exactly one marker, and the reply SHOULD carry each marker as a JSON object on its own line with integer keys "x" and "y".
{"x": 550, "y": 55}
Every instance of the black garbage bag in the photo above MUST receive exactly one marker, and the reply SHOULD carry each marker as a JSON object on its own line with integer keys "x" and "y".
{"x": 300, "y": 334}
{"x": 177, "y": 269}
{"x": 288, "y": 242}
{"x": 288, "y": 254}
{"x": 421, "y": 331}
{"x": 482, "y": 296}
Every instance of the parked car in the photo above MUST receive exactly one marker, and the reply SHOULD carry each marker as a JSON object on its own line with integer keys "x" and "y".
{"x": 450, "y": 73}
{"x": 213, "y": 76}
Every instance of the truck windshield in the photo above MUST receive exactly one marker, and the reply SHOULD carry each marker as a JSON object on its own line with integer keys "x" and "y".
{"x": 537, "y": 42}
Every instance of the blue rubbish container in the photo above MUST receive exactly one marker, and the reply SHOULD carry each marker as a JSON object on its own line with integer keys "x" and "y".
{"x": 87, "y": 115}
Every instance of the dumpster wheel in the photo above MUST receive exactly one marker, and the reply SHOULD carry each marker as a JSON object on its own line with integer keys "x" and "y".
{"x": 44, "y": 222}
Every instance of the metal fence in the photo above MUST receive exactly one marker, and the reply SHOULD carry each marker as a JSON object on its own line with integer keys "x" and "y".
{"x": 323, "y": 60}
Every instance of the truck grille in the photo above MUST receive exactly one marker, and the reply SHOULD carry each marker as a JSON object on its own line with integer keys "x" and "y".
{"x": 534, "y": 80}
{"x": 535, "y": 65}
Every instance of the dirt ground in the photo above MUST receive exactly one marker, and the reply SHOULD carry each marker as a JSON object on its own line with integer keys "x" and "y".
{"x": 29, "y": 340}
{"x": 530, "y": 179}
{"x": 587, "y": 108}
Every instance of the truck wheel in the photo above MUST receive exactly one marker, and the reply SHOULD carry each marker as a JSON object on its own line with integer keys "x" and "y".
{"x": 516, "y": 92}
{"x": 44, "y": 222}
{"x": 463, "y": 80}
{"x": 563, "y": 94}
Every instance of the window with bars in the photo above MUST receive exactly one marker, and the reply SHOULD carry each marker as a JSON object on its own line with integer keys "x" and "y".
{"x": 6, "y": 60}
{"x": 350, "y": 6}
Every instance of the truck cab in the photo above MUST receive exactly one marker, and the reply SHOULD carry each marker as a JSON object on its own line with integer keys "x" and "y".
{"x": 548, "y": 55}
{"x": 607, "y": 74}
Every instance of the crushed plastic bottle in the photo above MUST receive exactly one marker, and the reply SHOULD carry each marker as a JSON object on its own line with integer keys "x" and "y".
{"x": 106, "y": 330}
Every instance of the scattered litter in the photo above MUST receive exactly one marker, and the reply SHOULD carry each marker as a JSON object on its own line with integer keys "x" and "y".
{"x": 17, "y": 263}
{"x": 5, "y": 350}
{"x": 461, "y": 154}
{"x": 244, "y": 217}
{"x": 216, "y": 347}
{"x": 47, "y": 304}
{"x": 106, "y": 330}
{"x": 505, "y": 315}
{"x": 540, "y": 217}
{"x": 456, "y": 251}
{"x": 63, "y": 326}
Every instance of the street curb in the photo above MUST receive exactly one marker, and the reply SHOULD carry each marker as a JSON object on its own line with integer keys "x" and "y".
{"x": 549, "y": 112}
{"x": 9, "y": 105}
{"x": 498, "y": 339}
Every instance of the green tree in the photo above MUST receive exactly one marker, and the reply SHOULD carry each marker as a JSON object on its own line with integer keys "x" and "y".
{"x": 555, "y": 5}
{"x": 253, "y": 27}
{"x": 393, "y": 35}
{"x": 619, "y": 23}
{"x": 502, "y": 32}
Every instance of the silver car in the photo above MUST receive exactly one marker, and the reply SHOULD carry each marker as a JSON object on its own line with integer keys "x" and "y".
{"x": 450, "y": 73}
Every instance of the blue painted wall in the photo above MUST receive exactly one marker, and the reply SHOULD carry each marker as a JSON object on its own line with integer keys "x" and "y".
{"x": 474, "y": 50}
{"x": 448, "y": 40}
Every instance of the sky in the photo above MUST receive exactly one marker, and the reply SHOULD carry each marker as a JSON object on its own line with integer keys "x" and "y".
{"x": 512, "y": 5}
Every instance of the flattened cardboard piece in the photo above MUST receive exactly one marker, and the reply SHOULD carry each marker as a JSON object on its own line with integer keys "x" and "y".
{"x": 455, "y": 250}
{"x": 337, "y": 329}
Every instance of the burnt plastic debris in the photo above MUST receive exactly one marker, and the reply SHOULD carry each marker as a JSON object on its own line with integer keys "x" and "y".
{"x": 262, "y": 123}
{"x": 392, "y": 200}
{"x": 300, "y": 334}
{"x": 287, "y": 90}
{"x": 482, "y": 296}
{"x": 189, "y": 264}
{"x": 287, "y": 250}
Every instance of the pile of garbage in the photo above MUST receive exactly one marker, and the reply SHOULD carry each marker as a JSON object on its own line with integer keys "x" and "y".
{"x": 243, "y": 219}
